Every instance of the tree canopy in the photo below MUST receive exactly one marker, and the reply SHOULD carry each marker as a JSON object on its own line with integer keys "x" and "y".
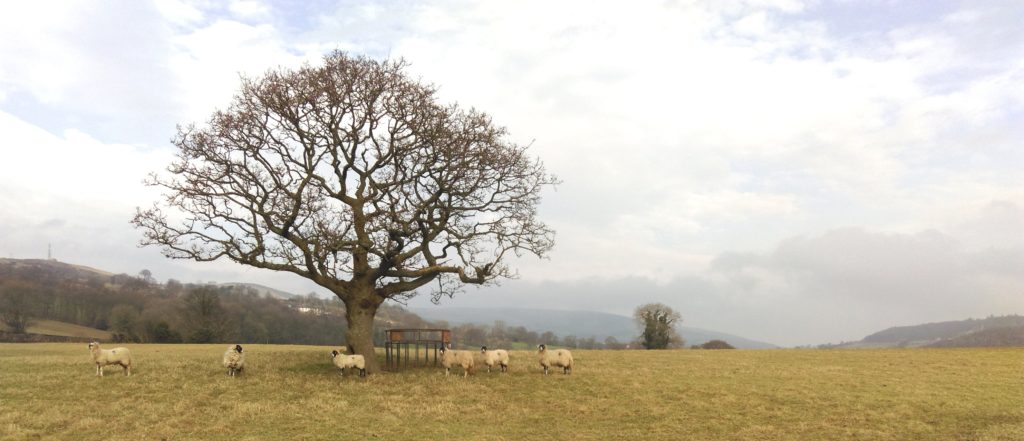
{"x": 657, "y": 322}
{"x": 353, "y": 175}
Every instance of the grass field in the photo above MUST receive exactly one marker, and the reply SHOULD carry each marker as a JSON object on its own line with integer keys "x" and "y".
{"x": 179, "y": 392}
{"x": 51, "y": 327}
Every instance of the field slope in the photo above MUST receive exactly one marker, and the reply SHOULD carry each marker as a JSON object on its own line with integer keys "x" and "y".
{"x": 292, "y": 392}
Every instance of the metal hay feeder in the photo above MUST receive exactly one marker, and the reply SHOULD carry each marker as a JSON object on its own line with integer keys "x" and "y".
{"x": 402, "y": 347}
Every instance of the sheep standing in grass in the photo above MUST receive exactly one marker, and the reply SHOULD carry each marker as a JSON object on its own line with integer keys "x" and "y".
{"x": 103, "y": 357}
{"x": 451, "y": 358}
{"x": 343, "y": 361}
{"x": 234, "y": 360}
{"x": 497, "y": 356}
{"x": 556, "y": 357}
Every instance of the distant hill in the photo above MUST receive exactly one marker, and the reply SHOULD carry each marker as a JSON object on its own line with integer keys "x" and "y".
{"x": 994, "y": 337}
{"x": 582, "y": 324}
{"x": 991, "y": 331}
{"x": 263, "y": 290}
{"x": 49, "y": 269}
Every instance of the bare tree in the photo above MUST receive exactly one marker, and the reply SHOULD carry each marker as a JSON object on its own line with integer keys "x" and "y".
{"x": 352, "y": 175}
{"x": 147, "y": 276}
{"x": 658, "y": 322}
{"x": 205, "y": 318}
{"x": 17, "y": 305}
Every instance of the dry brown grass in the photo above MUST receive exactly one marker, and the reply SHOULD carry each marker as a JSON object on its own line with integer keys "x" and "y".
{"x": 48, "y": 391}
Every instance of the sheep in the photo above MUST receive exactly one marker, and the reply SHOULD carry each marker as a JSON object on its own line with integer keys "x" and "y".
{"x": 103, "y": 357}
{"x": 234, "y": 360}
{"x": 343, "y": 361}
{"x": 497, "y": 356}
{"x": 451, "y": 358}
{"x": 556, "y": 357}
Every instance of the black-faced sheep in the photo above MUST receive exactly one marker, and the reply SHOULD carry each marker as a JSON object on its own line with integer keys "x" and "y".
{"x": 556, "y": 357}
{"x": 451, "y": 358}
{"x": 234, "y": 360}
{"x": 495, "y": 357}
{"x": 343, "y": 361}
{"x": 103, "y": 357}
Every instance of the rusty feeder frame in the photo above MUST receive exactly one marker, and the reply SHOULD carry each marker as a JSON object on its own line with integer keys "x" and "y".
{"x": 409, "y": 341}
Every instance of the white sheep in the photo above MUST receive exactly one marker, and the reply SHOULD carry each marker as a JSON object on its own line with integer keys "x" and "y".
{"x": 451, "y": 358}
{"x": 556, "y": 357}
{"x": 234, "y": 360}
{"x": 103, "y": 357}
{"x": 497, "y": 356}
{"x": 343, "y": 361}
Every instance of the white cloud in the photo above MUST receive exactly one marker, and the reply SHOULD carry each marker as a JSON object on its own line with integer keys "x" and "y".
{"x": 180, "y": 12}
{"x": 250, "y": 9}
{"x": 39, "y": 167}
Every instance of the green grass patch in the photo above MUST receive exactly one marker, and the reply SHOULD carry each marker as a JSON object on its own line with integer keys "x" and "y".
{"x": 51, "y": 327}
{"x": 176, "y": 392}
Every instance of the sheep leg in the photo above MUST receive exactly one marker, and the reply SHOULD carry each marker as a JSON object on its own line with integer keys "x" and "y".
{"x": 362, "y": 372}
{"x": 447, "y": 371}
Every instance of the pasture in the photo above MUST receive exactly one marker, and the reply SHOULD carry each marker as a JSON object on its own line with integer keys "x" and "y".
{"x": 180, "y": 392}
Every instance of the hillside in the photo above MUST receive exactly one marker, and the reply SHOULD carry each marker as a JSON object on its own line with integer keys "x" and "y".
{"x": 49, "y": 270}
{"x": 994, "y": 337}
{"x": 578, "y": 323}
{"x": 991, "y": 331}
{"x": 262, "y": 290}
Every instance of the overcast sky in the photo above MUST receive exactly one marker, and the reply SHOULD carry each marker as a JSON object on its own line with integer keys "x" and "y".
{"x": 790, "y": 171}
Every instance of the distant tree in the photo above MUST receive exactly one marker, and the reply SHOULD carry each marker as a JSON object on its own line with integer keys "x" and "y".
{"x": 612, "y": 343}
{"x": 205, "y": 319}
{"x": 173, "y": 287}
{"x": 161, "y": 332}
{"x": 570, "y": 341}
{"x": 548, "y": 337}
{"x": 122, "y": 323}
{"x": 657, "y": 322}
{"x": 147, "y": 276}
{"x": 714, "y": 344}
{"x": 16, "y": 306}
{"x": 353, "y": 175}
{"x": 471, "y": 335}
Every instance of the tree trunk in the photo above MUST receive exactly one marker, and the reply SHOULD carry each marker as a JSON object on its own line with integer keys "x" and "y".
{"x": 360, "y": 312}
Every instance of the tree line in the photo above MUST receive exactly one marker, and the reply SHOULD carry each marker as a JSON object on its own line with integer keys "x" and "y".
{"x": 136, "y": 308}
{"x": 139, "y": 309}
